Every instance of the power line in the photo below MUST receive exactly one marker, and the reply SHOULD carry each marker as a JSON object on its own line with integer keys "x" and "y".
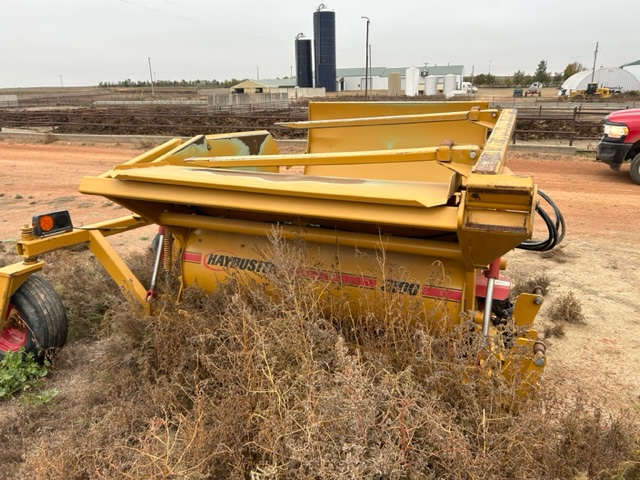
{"x": 611, "y": 62}
{"x": 226, "y": 19}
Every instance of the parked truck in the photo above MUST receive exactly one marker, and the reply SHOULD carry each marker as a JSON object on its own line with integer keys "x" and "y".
{"x": 621, "y": 141}
{"x": 421, "y": 185}
{"x": 468, "y": 87}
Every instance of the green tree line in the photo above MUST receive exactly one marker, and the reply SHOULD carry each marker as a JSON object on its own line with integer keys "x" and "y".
{"x": 128, "y": 83}
{"x": 520, "y": 79}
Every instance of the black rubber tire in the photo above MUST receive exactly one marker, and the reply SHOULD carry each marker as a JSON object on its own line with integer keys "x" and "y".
{"x": 43, "y": 317}
{"x": 634, "y": 169}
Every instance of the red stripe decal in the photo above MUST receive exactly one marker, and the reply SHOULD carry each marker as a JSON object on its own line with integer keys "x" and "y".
{"x": 334, "y": 277}
{"x": 192, "y": 257}
{"x": 442, "y": 293}
{"x": 358, "y": 280}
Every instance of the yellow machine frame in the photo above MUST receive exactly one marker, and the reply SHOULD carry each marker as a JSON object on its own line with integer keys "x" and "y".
{"x": 422, "y": 179}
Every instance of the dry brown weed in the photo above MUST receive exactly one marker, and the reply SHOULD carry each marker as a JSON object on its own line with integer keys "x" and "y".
{"x": 259, "y": 382}
{"x": 567, "y": 308}
{"x": 559, "y": 254}
{"x": 527, "y": 284}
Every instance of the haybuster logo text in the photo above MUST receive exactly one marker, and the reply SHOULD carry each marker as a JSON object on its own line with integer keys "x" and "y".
{"x": 220, "y": 261}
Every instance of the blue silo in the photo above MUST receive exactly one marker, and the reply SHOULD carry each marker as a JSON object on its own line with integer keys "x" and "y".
{"x": 324, "y": 32}
{"x": 304, "y": 62}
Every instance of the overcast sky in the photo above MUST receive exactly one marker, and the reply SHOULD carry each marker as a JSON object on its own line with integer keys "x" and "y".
{"x": 88, "y": 41}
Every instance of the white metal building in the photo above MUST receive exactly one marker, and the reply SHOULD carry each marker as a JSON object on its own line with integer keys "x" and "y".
{"x": 278, "y": 85}
{"x": 617, "y": 78}
{"x": 353, "y": 78}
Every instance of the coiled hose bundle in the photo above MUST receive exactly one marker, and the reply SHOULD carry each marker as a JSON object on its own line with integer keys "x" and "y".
{"x": 555, "y": 228}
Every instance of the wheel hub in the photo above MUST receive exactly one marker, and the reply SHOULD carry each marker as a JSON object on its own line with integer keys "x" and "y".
{"x": 14, "y": 331}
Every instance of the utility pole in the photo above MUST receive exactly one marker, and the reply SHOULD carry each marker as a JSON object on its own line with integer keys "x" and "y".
{"x": 595, "y": 57}
{"x": 153, "y": 94}
{"x": 366, "y": 62}
{"x": 370, "y": 72}
{"x": 258, "y": 73}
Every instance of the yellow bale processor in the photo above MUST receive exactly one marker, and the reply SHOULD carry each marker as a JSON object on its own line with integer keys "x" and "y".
{"x": 425, "y": 185}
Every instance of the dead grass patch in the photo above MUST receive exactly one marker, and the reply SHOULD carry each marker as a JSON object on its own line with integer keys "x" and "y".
{"x": 77, "y": 273}
{"x": 559, "y": 254}
{"x": 527, "y": 284}
{"x": 567, "y": 308}
{"x": 255, "y": 381}
{"x": 59, "y": 201}
{"x": 556, "y": 330}
{"x": 48, "y": 138}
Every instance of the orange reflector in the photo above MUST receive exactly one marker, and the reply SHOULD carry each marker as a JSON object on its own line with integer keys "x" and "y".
{"x": 51, "y": 223}
{"x": 46, "y": 223}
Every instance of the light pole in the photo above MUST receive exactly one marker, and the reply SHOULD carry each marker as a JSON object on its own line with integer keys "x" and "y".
{"x": 153, "y": 93}
{"x": 490, "y": 66}
{"x": 366, "y": 63}
{"x": 370, "y": 70}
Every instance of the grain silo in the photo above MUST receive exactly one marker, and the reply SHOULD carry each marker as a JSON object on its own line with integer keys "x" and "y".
{"x": 449, "y": 84}
{"x": 412, "y": 76}
{"x": 304, "y": 62}
{"x": 324, "y": 33}
{"x": 430, "y": 85}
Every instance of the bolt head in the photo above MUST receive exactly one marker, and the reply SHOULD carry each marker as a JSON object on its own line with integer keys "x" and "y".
{"x": 539, "y": 361}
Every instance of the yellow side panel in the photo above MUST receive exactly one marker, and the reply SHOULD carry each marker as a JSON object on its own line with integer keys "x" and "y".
{"x": 433, "y": 287}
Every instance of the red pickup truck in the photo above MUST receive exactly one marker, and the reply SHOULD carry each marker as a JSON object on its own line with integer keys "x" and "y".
{"x": 621, "y": 141}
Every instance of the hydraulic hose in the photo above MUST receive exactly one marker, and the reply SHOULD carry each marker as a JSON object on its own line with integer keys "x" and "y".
{"x": 555, "y": 228}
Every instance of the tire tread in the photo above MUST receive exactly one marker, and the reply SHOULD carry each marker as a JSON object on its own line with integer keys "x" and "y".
{"x": 44, "y": 314}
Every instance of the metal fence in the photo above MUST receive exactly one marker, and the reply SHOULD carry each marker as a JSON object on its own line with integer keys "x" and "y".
{"x": 8, "y": 101}
{"x": 148, "y": 120}
{"x": 127, "y": 118}
{"x": 247, "y": 102}
{"x": 577, "y": 123}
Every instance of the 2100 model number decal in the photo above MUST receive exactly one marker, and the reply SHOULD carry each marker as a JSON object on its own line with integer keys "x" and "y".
{"x": 395, "y": 286}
